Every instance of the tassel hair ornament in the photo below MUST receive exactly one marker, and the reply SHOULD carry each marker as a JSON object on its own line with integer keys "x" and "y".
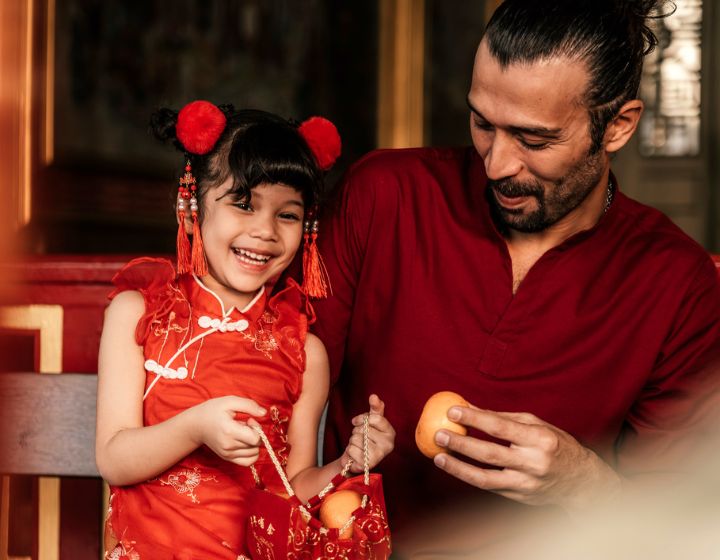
{"x": 324, "y": 141}
{"x": 199, "y": 126}
{"x": 316, "y": 281}
{"x": 186, "y": 192}
{"x": 189, "y": 259}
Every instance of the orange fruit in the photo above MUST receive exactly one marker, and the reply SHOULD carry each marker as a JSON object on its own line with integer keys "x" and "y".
{"x": 434, "y": 418}
{"x": 337, "y": 508}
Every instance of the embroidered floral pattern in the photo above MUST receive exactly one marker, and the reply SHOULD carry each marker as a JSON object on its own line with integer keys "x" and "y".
{"x": 161, "y": 329}
{"x": 122, "y": 553}
{"x": 279, "y": 426}
{"x": 263, "y": 339}
{"x": 185, "y": 481}
{"x": 124, "y": 549}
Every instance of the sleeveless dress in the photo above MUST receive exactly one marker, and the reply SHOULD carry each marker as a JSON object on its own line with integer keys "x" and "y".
{"x": 196, "y": 350}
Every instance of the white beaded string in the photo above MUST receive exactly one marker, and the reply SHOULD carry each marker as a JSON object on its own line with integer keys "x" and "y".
{"x": 346, "y": 468}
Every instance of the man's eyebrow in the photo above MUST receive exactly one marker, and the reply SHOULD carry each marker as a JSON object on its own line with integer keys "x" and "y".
{"x": 515, "y": 129}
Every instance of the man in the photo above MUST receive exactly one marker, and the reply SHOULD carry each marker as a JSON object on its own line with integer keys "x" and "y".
{"x": 578, "y": 322}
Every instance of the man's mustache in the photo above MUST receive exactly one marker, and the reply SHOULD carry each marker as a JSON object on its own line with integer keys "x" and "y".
{"x": 510, "y": 188}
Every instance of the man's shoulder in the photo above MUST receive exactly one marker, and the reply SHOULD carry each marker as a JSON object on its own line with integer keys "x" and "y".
{"x": 394, "y": 175}
{"x": 651, "y": 236}
{"x": 399, "y": 161}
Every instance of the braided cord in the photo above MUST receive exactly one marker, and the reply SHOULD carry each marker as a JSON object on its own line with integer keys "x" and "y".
{"x": 346, "y": 468}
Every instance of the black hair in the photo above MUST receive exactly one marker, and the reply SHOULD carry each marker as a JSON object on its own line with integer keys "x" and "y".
{"x": 256, "y": 147}
{"x": 611, "y": 36}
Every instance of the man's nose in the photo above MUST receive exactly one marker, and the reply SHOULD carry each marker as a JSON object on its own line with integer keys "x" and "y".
{"x": 502, "y": 159}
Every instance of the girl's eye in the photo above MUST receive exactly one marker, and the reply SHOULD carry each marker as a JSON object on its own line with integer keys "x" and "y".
{"x": 290, "y": 216}
{"x": 243, "y": 206}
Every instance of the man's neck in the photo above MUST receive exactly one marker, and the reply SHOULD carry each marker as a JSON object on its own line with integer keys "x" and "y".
{"x": 582, "y": 218}
{"x": 526, "y": 248}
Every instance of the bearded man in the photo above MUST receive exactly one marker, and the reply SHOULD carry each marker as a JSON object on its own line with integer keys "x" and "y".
{"x": 579, "y": 323}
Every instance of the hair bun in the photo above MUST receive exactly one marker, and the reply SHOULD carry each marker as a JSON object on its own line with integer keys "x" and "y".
{"x": 162, "y": 124}
{"x": 323, "y": 139}
{"x": 199, "y": 126}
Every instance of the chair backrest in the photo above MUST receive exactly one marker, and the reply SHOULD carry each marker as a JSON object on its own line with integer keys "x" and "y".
{"x": 47, "y": 424}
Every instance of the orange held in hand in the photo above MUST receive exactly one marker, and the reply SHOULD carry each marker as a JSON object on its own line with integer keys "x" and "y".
{"x": 434, "y": 418}
{"x": 337, "y": 508}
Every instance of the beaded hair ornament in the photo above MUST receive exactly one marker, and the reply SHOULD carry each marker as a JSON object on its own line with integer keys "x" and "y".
{"x": 199, "y": 126}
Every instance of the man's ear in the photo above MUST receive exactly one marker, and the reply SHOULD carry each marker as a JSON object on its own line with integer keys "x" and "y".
{"x": 623, "y": 126}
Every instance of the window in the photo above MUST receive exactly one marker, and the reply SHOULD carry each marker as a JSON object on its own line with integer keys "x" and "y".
{"x": 671, "y": 85}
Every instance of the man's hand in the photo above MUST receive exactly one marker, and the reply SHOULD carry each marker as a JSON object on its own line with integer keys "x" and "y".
{"x": 543, "y": 464}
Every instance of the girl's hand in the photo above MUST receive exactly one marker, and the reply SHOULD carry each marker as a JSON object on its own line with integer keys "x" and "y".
{"x": 381, "y": 437}
{"x": 230, "y": 439}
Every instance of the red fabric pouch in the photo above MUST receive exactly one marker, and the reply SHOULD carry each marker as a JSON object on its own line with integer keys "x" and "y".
{"x": 284, "y": 527}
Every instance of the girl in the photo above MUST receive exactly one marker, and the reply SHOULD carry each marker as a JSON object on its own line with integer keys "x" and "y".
{"x": 191, "y": 362}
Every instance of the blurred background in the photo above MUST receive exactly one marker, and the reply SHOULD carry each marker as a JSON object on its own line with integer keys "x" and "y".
{"x": 85, "y": 185}
{"x": 80, "y": 78}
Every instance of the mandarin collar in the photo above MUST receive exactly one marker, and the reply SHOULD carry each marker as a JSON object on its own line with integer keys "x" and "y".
{"x": 205, "y": 301}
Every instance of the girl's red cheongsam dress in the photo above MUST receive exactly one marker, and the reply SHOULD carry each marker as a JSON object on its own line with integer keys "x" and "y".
{"x": 196, "y": 350}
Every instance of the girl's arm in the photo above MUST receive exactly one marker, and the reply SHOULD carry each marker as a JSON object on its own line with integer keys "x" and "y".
{"x": 125, "y": 451}
{"x": 306, "y": 477}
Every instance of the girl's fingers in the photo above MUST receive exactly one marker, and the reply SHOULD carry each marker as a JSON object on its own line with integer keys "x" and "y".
{"x": 355, "y": 453}
{"x": 375, "y": 434}
{"x": 245, "y": 435}
{"x": 380, "y": 445}
{"x": 380, "y": 435}
{"x": 242, "y": 405}
{"x": 376, "y": 405}
{"x": 243, "y": 453}
{"x": 375, "y": 421}
{"x": 377, "y": 409}
{"x": 244, "y": 461}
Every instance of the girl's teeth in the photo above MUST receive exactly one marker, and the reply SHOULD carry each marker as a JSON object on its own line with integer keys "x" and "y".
{"x": 252, "y": 258}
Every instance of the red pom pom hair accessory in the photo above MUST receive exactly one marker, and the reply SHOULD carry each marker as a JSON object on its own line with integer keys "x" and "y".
{"x": 323, "y": 139}
{"x": 199, "y": 126}
{"x": 324, "y": 142}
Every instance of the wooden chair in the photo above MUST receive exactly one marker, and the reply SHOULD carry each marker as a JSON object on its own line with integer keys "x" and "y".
{"x": 47, "y": 424}
{"x": 47, "y": 429}
{"x": 57, "y": 300}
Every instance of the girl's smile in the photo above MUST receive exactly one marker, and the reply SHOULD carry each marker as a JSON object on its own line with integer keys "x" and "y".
{"x": 248, "y": 243}
{"x": 254, "y": 259}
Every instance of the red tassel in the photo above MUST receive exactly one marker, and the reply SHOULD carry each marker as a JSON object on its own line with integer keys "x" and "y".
{"x": 182, "y": 245}
{"x": 199, "y": 262}
{"x": 316, "y": 281}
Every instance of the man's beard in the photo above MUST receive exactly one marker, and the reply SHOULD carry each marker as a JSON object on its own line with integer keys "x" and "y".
{"x": 565, "y": 194}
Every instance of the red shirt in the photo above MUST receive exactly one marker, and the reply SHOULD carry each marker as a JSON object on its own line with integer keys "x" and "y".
{"x": 605, "y": 338}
